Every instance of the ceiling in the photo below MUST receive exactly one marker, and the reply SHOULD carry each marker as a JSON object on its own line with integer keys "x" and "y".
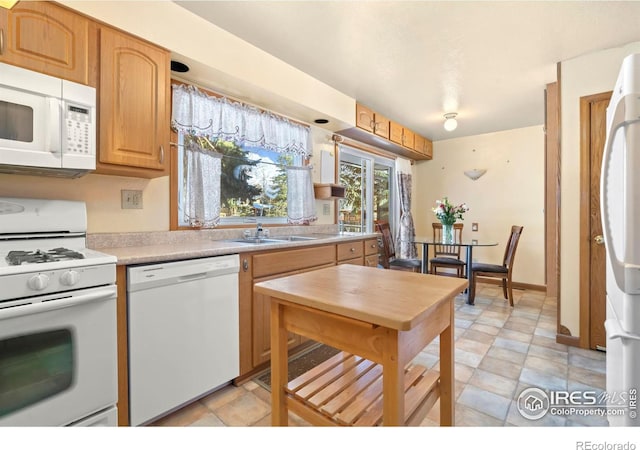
{"x": 414, "y": 61}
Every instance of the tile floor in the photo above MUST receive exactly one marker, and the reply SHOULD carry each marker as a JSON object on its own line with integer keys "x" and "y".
{"x": 499, "y": 352}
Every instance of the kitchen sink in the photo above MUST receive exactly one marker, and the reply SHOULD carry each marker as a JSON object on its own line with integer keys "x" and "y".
{"x": 296, "y": 238}
{"x": 254, "y": 240}
{"x": 273, "y": 240}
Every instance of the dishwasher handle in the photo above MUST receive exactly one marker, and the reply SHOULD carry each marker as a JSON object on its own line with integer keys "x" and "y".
{"x": 166, "y": 274}
{"x": 192, "y": 277}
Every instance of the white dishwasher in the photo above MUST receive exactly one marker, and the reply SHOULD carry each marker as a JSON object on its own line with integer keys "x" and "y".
{"x": 183, "y": 320}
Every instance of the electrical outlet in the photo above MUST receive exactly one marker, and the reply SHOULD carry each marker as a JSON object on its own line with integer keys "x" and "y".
{"x": 131, "y": 199}
{"x": 326, "y": 209}
{"x": 474, "y": 227}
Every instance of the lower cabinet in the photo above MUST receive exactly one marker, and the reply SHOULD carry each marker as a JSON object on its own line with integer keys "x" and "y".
{"x": 371, "y": 253}
{"x": 262, "y": 322}
{"x": 255, "y": 309}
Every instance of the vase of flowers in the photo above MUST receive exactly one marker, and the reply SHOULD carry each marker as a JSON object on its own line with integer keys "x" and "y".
{"x": 448, "y": 214}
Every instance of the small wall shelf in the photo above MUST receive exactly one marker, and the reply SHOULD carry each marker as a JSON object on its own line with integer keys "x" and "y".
{"x": 328, "y": 190}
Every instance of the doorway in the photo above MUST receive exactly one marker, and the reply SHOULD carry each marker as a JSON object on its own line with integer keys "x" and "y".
{"x": 593, "y": 116}
{"x": 369, "y": 196}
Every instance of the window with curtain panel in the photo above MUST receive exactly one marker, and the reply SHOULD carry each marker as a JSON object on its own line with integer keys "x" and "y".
{"x": 237, "y": 164}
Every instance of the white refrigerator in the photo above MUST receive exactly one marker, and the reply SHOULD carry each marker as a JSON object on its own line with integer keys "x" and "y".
{"x": 620, "y": 208}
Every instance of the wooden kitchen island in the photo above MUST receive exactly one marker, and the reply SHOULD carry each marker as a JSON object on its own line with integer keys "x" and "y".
{"x": 381, "y": 319}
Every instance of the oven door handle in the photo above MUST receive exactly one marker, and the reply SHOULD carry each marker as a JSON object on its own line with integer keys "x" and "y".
{"x": 104, "y": 293}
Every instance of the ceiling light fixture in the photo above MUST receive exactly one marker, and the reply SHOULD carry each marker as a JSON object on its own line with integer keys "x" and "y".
{"x": 450, "y": 122}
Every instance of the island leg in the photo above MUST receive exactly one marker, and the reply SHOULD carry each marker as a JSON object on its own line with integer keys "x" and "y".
{"x": 279, "y": 366}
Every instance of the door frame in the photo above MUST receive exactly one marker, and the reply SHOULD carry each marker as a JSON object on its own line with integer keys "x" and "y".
{"x": 585, "y": 227}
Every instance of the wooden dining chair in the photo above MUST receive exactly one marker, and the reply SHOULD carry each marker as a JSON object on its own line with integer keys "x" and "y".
{"x": 503, "y": 271}
{"x": 447, "y": 256}
{"x": 388, "y": 258}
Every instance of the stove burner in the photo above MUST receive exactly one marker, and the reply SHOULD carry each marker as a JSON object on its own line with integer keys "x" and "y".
{"x": 19, "y": 257}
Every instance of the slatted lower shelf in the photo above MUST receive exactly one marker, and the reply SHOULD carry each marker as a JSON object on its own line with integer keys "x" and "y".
{"x": 346, "y": 390}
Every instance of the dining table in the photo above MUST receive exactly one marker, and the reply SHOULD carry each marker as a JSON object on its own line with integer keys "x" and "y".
{"x": 380, "y": 319}
{"x": 468, "y": 244}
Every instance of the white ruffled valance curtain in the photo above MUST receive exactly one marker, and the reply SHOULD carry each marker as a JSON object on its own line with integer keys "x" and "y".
{"x": 406, "y": 232}
{"x": 203, "y": 168}
{"x": 196, "y": 113}
{"x": 301, "y": 204}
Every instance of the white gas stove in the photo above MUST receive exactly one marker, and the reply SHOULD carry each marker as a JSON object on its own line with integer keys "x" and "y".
{"x": 57, "y": 318}
{"x": 42, "y": 249}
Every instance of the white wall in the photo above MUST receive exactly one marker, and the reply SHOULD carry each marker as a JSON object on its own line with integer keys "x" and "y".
{"x": 586, "y": 75}
{"x": 102, "y": 196}
{"x": 510, "y": 193}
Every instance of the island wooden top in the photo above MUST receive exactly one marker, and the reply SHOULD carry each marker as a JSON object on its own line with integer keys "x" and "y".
{"x": 391, "y": 298}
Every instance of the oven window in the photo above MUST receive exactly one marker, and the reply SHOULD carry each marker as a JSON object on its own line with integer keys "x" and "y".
{"x": 34, "y": 367}
{"x": 16, "y": 122}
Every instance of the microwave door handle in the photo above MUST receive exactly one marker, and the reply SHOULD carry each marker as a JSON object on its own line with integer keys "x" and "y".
{"x": 54, "y": 125}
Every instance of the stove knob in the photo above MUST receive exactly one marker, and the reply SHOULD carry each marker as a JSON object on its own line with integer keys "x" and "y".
{"x": 69, "y": 278}
{"x": 38, "y": 282}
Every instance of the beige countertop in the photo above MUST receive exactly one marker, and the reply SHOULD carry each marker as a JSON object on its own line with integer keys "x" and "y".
{"x": 182, "y": 246}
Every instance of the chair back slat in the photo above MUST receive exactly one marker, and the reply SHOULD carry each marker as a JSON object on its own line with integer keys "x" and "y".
{"x": 451, "y": 251}
{"x": 510, "y": 250}
{"x": 387, "y": 243}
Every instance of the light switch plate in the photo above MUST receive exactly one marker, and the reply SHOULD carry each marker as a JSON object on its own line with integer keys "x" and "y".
{"x": 474, "y": 226}
{"x": 131, "y": 199}
{"x": 326, "y": 209}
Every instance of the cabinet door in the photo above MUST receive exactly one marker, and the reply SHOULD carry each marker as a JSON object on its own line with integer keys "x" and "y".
{"x": 395, "y": 132}
{"x": 371, "y": 260}
{"x": 364, "y": 118}
{"x": 262, "y": 322}
{"x": 428, "y": 148}
{"x": 47, "y": 38}
{"x": 134, "y": 102}
{"x": 418, "y": 144}
{"x": 381, "y": 126}
{"x": 407, "y": 138}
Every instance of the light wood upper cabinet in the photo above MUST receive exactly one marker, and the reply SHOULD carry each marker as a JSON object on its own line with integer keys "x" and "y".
{"x": 408, "y": 138}
{"x": 134, "y": 106}
{"x": 423, "y": 146}
{"x": 401, "y": 135}
{"x": 418, "y": 143}
{"x": 381, "y": 126}
{"x": 398, "y": 139}
{"x": 395, "y": 132}
{"x": 364, "y": 118}
{"x": 371, "y": 121}
{"x": 428, "y": 149}
{"x": 50, "y": 39}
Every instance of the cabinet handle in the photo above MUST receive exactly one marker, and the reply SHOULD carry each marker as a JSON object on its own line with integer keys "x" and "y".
{"x": 245, "y": 264}
{"x": 161, "y": 155}
{"x": 1, "y": 41}
{"x": 352, "y": 250}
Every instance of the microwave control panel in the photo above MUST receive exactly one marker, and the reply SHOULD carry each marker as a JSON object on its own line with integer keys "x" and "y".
{"x": 78, "y": 129}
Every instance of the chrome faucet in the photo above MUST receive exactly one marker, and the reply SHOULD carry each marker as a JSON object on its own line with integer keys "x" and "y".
{"x": 259, "y": 231}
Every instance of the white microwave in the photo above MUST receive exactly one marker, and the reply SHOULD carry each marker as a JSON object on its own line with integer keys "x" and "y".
{"x": 47, "y": 124}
